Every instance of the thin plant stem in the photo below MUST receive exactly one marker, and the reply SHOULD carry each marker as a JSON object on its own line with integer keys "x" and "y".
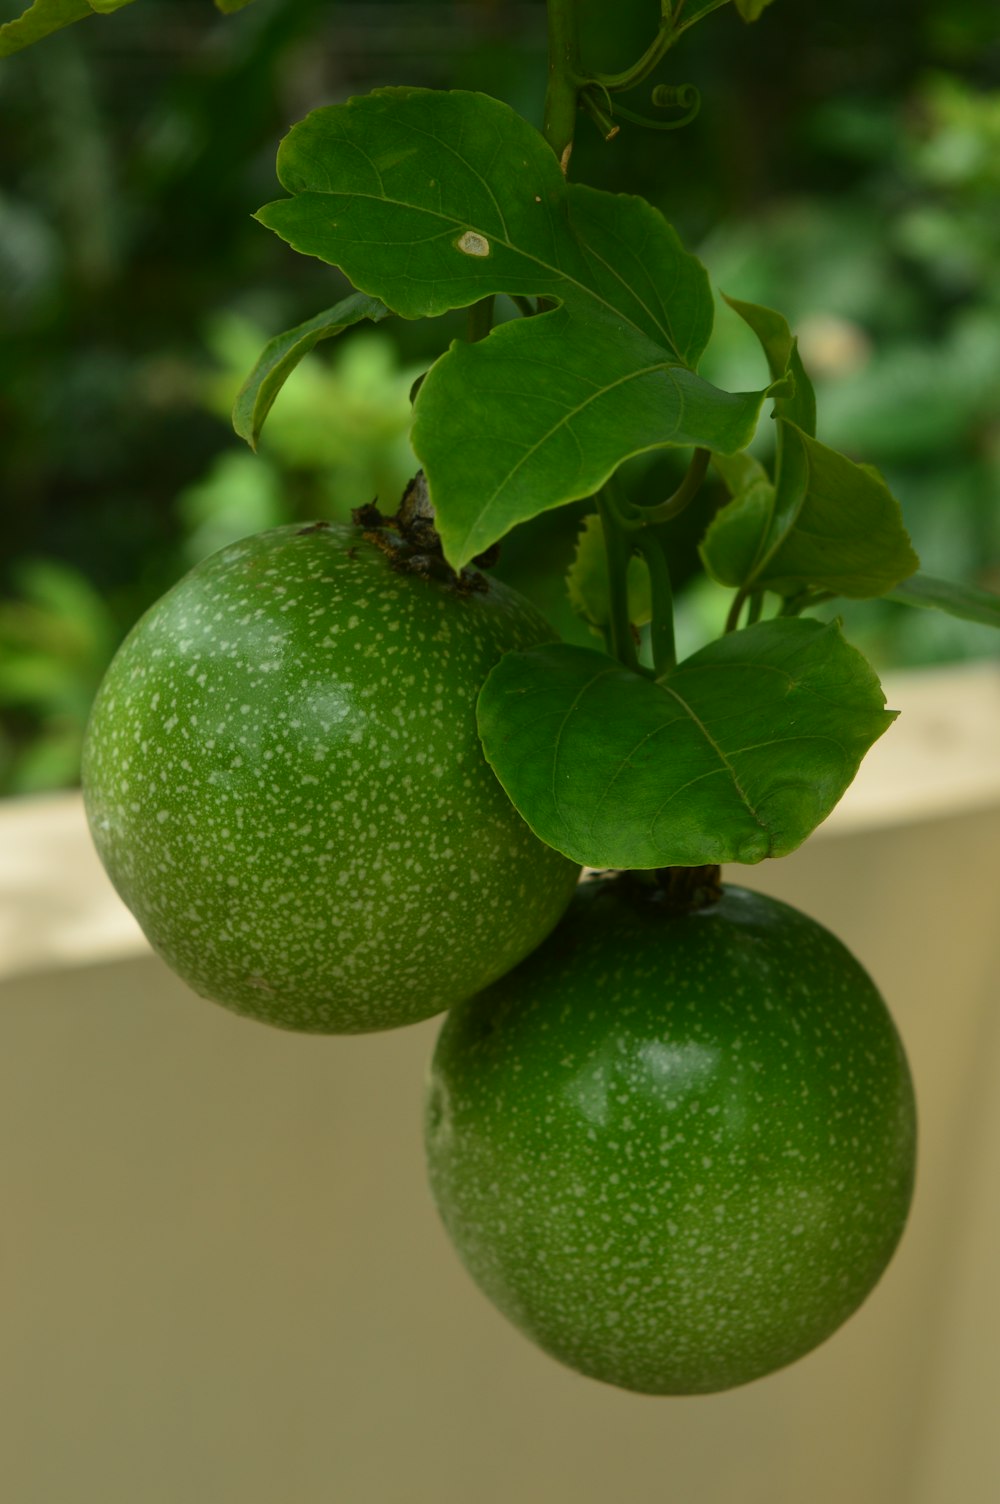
{"x": 733, "y": 619}
{"x": 480, "y": 319}
{"x": 618, "y": 552}
{"x": 565, "y": 80}
{"x": 662, "y": 641}
{"x": 685, "y": 493}
{"x": 650, "y": 60}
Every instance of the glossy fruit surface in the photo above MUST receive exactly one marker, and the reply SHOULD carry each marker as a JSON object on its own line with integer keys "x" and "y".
{"x": 284, "y": 780}
{"x": 676, "y": 1151}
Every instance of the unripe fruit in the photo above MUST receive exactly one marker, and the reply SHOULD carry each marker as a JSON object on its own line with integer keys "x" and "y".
{"x": 676, "y": 1150}
{"x": 284, "y": 781}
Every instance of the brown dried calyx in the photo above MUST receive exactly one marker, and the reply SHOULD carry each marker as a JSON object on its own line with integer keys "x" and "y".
{"x": 677, "y": 890}
{"x": 410, "y": 541}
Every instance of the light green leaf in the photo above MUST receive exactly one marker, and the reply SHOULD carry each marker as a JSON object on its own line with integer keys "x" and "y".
{"x": 846, "y": 535}
{"x": 731, "y": 547}
{"x": 587, "y": 581}
{"x": 735, "y": 756}
{"x": 46, "y": 16}
{"x": 751, "y": 10}
{"x": 739, "y": 471}
{"x": 431, "y": 200}
{"x": 782, "y": 351}
{"x": 965, "y": 601}
{"x": 282, "y": 354}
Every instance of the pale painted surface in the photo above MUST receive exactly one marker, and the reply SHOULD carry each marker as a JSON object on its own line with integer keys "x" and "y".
{"x": 222, "y": 1281}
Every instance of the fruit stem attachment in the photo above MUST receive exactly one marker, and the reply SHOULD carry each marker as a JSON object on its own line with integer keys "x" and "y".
{"x": 677, "y": 890}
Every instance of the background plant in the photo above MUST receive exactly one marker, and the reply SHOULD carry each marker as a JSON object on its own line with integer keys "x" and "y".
{"x": 852, "y": 187}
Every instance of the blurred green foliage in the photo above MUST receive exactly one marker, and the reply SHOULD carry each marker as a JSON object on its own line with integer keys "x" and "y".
{"x": 845, "y": 167}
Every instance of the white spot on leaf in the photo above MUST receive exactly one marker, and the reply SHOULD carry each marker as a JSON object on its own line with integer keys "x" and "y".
{"x": 473, "y": 244}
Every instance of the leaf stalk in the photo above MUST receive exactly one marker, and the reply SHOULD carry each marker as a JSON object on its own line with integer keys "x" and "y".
{"x": 618, "y": 551}
{"x": 661, "y": 631}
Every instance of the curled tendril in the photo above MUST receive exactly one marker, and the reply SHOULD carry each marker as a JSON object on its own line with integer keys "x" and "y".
{"x": 667, "y": 97}
{"x": 597, "y": 102}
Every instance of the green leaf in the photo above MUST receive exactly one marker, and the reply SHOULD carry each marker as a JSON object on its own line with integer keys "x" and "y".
{"x": 230, "y": 7}
{"x": 739, "y": 471}
{"x": 751, "y": 10}
{"x": 46, "y": 16}
{"x": 731, "y": 547}
{"x": 545, "y": 410}
{"x": 430, "y": 201}
{"x": 782, "y": 351}
{"x": 965, "y": 601}
{"x": 427, "y": 199}
{"x": 736, "y": 755}
{"x": 587, "y": 581}
{"x": 846, "y": 536}
{"x": 282, "y": 354}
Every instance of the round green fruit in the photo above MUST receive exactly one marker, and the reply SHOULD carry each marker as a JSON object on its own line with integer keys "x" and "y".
{"x": 676, "y": 1150}
{"x": 284, "y": 780}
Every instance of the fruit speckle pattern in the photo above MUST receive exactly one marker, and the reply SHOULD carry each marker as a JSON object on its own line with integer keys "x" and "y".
{"x": 284, "y": 780}
{"x": 677, "y": 1151}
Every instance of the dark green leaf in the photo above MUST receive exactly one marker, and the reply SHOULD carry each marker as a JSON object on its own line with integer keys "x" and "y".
{"x": 545, "y": 410}
{"x": 282, "y": 354}
{"x": 431, "y": 200}
{"x": 427, "y": 199}
{"x": 965, "y": 601}
{"x": 229, "y": 7}
{"x": 46, "y": 16}
{"x": 587, "y": 581}
{"x": 737, "y": 755}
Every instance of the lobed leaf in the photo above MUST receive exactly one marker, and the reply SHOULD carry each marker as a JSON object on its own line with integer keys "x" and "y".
{"x": 736, "y": 755}
{"x": 429, "y": 201}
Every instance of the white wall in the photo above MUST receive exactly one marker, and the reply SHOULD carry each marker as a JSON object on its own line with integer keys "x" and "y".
{"x": 222, "y": 1282}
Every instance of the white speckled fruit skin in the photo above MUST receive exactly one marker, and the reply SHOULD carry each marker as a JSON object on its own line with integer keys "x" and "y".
{"x": 284, "y": 780}
{"x": 676, "y": 1152}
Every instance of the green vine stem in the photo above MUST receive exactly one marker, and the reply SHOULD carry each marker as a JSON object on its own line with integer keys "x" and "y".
{"x": 618, "y": 552}
{"x": 685, "y": 493}
{"x": 651, "y": 58}
{"x": 661, "y": 633}
{"x": 735, "y": 610}
{"x": 565, "y": 81}
{"x": 480, "y": 319}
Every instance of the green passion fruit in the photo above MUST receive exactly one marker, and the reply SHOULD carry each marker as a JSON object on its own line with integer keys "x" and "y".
{"x": 284, "y": 780}
{"x": 675, "y": 1149}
